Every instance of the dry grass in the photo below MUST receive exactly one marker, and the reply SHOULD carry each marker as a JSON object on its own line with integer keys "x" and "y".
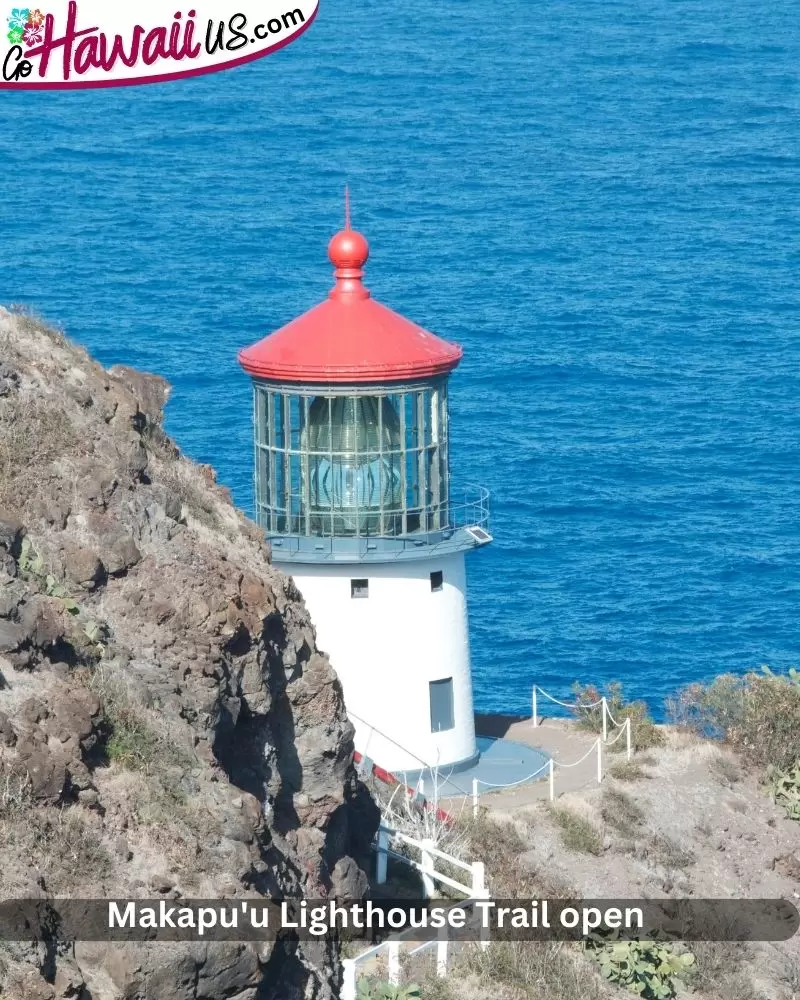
{"x": 663, "y": 850}
{"x": 33, "y": 432}
{"x": 29, "y": 322}
{"x": 64, "y": 844}
{"x": 499, "y": 844}
{"x": 153, "y": 766}
{"x": 69, "y": 847}
{"x": 627, "y": 770}
{"x": 434, "y": 988}
{"x": 718, "y": 963}
{"x": 725, "y": 768}
{"x": 15, "y": 792}
{"x": 620, "y": 811}
{"x": 183, "y": 479}
{"x": 577, "y": 833}
{"x": 540, "y": 971}
{"x": 789, "y": 975}
{"x": 738, "y": 987}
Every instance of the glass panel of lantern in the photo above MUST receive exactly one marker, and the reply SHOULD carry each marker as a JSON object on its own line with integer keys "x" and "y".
{"x": 276, "y": 420}
{"x": 353, "y": 483}
{"x": 278, "y": 501}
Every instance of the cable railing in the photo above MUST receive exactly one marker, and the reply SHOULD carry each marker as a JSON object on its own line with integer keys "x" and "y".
{"x": 441, "y": 782}
{"x": 575, "y": 706}
{"x": 551, "y": 765}
{"x": 460, "y": 522}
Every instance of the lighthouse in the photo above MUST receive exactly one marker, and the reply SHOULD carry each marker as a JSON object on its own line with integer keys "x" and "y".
{"x": 353, "y": 490}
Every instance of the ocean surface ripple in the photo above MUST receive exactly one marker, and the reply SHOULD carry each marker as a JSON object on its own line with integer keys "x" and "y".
{"x": 599, "y": 201}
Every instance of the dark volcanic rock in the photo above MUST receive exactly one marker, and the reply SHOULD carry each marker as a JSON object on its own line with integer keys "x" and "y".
{"x": 83, "y": 566}
{"x": 11, "y": 532}
{"x": 7, "y": 735}
{"x": 174, "y": 725}
{"x": 123, "y": 555}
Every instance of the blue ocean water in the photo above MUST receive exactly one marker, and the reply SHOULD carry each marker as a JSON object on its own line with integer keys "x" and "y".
{"x": 598, "y": 200}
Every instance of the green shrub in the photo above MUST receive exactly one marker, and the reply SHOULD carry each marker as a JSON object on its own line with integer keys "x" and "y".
{"x": 757, "y": 715}
{"x": 647, "y": 968}
{"x": 644, "y": 732}
{"x": 132, "y": 744}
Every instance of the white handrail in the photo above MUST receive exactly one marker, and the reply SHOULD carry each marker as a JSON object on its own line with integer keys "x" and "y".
{"x": 563, "y": 704}
{"x": 625, "y": 726}
{"x": 605, "y": 712}
{"x": 349, "y": 988}
{"x": 592, "y": 749}
{"x": 426, "y": 871}
{"x": 431, "y": 850}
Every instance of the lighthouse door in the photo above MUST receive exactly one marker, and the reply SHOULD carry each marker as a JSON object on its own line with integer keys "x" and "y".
{"x": 442, "y": 716}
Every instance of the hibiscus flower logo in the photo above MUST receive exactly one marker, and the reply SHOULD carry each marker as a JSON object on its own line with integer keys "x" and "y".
{"x": 33, "y": 35}
{"x": 25, "y": 25}
{"x": 19, "y": 18}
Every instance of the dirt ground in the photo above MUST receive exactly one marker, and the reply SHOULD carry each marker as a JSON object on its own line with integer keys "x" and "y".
{"x": 692, "y": 824}
{"x": 685, "y": 820}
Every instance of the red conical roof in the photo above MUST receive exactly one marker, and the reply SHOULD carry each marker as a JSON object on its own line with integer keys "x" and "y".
{"x": 350, "y": 337}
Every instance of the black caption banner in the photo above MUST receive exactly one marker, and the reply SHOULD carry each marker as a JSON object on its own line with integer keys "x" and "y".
{"x": 257, "y": 919}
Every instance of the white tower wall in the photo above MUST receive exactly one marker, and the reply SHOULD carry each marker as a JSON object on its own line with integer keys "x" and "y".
{"x": 388, "y": 647}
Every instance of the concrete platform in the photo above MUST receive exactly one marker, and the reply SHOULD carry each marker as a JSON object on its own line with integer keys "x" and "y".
{"x": 502, "y": 761}
{"x": 560, "y": 739}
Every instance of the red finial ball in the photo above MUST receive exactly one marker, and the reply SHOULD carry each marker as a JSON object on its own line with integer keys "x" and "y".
{"x": 348, "y": 250}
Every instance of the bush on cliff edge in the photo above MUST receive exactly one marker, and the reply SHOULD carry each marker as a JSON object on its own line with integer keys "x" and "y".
{"x": 757, "y": 715}
{"x": 589, "y": 715}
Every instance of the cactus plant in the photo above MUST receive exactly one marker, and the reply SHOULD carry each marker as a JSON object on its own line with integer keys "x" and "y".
{"x": 56, "y": 589}
{"x": 784, "y": 787}
{"x": 792, "y": 674}
{"x": 29, "y": 559}
{"x": 650, "y": 969}
{"x": 31, "y": 562}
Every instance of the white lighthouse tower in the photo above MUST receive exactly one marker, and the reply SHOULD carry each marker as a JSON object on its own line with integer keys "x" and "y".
{"x": 353, "y": 490}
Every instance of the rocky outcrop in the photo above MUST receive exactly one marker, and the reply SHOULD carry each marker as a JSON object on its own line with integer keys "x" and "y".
{"x": 167, "y": 725}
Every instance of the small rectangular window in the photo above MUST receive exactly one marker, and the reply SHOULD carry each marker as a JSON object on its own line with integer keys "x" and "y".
{"x": 437, "y": 580}
{"x": 442, "y": 713}
{"x": 359, "y": 588}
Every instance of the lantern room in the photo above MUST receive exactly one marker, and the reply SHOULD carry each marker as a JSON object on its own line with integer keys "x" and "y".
{"x": 351, "y": 461}
{"x": 352, "y": 488}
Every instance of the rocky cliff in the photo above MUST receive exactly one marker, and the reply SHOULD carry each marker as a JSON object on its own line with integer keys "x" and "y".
{"x": 167, "y": 725}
